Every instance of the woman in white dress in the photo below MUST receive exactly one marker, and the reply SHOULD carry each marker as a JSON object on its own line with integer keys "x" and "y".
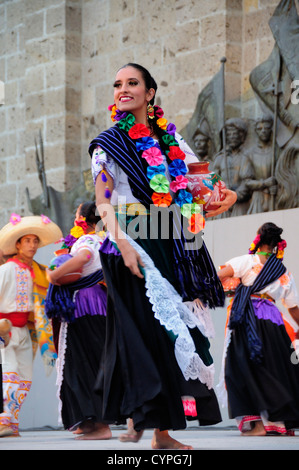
{"x": 261, "y": 370}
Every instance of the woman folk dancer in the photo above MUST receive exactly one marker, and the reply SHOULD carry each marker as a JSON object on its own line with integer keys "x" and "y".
{"x": 157, "y": 364}
{"x": 261, "y": 370}
{"x": 80, "y": 309}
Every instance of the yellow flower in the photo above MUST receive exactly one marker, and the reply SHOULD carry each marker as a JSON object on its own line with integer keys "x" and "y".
{"x": 77, "y": 231}
{"x": 162, "y": 122}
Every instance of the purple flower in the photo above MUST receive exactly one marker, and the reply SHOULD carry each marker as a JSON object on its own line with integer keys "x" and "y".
{"x": 171, "y": 128}
{"x": 69, "y": 240}
{"x": 120, "y": 115}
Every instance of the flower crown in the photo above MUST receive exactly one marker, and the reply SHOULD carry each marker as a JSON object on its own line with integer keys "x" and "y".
{"x": 79, "y": 229}
{"x": 280, "y": 247}
{"x": 156, "y": 171}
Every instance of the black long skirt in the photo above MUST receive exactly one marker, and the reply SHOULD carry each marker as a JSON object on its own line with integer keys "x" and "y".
{"x": 83, "y": 353}
{"x": 271, "y": 386}
{"x": 139, "y": 376}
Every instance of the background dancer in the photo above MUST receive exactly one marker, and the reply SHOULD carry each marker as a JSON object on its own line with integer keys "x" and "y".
{"x": 260, "y": 373}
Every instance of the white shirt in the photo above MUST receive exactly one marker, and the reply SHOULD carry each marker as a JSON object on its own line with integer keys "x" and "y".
{"x": 247, "y": 267}
{"x": 92, "y": 243}
{"x": 16, "y": 289}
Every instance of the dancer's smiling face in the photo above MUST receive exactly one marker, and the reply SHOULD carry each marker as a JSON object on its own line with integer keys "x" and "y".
{"x": 130, "y": 93}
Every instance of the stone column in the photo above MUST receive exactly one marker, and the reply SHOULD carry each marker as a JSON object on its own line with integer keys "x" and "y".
{"x": 52, "y": 93}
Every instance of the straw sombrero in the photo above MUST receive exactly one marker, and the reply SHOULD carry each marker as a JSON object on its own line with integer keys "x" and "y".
{"x": 41, "y": 226}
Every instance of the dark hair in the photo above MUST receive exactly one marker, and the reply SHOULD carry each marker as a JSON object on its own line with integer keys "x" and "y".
{"x": 148, "y": 79}
{"x": 270, "y": 235}
{"x": 88, "y": 210}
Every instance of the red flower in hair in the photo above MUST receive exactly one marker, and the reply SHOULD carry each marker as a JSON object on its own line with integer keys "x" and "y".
{"x": 82, "y": 224}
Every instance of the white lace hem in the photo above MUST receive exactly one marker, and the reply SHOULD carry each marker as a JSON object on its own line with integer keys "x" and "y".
{"x": 175, "y": 315}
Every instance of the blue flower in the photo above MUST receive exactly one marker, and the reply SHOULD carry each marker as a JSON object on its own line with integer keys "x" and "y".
{"x": 155, "y": 170}
{"x": 177, "y": 167}
{"x": 144, "y": 143}
{"x": 183, "y": 197}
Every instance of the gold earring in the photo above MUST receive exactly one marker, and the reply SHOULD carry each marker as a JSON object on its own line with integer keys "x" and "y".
{"x": 150, "y": 111}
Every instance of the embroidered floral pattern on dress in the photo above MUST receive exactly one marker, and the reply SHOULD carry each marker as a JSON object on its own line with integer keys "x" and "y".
{"x": 257, "y": 268}
{"x": 22, "y": 280}
{"x": 284, "y": 280}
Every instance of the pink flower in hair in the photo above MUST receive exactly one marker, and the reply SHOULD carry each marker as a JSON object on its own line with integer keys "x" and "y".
{"x": 282, "y": 245}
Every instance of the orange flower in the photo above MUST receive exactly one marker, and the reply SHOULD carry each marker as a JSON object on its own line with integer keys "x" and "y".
{"x": 113, "y": 112}
{"x": 196, "y": 223}
{"x": 162, "y": 122}
{"x": 161, "y": 199}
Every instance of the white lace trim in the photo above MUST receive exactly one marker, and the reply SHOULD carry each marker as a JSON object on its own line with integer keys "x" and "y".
{"x": 175, "y": 315}
{"x": 60, "y": 364}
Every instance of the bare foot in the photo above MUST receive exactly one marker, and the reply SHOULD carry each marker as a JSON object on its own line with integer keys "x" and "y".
{"x": 86, "y": 426}
{"x": 99, "y": 432}
{"x": 5, "y": 431}
{"x": 131, "y": 435}
{"x": 162, "y": 440}
{"x": 257, "y": 430}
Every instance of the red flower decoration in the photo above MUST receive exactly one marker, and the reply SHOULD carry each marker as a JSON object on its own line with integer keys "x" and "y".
{"x": 161, "y": 199}
{"x": 159, "y": 111}
{"x": 138, "y": 131}
{"x": 196, "y": 223}
{"x": 176, "y": 153}
{"x": 82, "y": 224}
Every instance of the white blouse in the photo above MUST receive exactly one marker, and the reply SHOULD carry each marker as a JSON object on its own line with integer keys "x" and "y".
{"x": 92, "y": 243}
{"x": 121, "y": 187}
{"x": 247, "y": 267}
{"x": 16, "y": 289}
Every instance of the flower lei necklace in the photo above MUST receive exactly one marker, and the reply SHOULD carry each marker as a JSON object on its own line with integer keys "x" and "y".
{"x": 156, "y": 170}
{"x": 280, "y": 247}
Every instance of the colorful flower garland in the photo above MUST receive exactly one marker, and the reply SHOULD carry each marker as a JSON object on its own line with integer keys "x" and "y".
{"x": 156, "y": 170}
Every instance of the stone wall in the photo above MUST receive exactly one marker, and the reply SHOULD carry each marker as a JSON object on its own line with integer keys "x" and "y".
{"x": 59, "y": 60}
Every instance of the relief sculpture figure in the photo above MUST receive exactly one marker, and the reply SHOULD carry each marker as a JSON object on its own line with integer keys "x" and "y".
{"x": 264, "y": 185}
{"x": 236, "y": 163}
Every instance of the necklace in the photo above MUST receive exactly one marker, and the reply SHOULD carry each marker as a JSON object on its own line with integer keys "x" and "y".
{"x": 265, "y": 253}
{"x": 156, "y": 171}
